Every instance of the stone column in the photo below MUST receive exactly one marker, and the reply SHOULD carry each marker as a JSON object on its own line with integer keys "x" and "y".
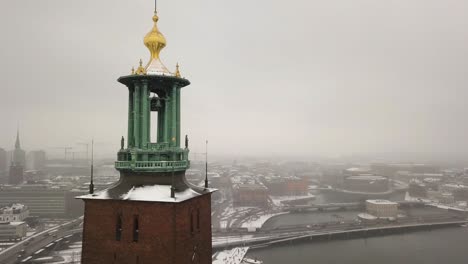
{"x": 137, "y": 115}
{"x": 167, "y": 112}
{"x": 144, "y": 115}
{"x": 178, "y": 118}
{"x": 174, "y": 116}
{"x": 161, "y": 122}
{"x": 130, "y": 118}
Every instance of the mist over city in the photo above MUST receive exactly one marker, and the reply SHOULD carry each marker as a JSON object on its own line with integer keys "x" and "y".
{"x": 233, "y": 132}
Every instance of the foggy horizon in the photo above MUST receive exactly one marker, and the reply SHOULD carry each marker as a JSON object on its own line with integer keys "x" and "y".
{"x": 267, "y": 78}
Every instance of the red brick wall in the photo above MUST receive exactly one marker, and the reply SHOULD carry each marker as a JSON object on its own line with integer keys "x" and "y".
{"x": 164, "y": 232}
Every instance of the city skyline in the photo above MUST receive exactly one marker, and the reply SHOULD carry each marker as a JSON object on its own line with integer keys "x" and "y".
{"x": 311, "y": 78}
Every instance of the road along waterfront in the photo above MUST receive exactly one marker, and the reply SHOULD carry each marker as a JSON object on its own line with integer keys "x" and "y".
{"x": 447, "y": 245}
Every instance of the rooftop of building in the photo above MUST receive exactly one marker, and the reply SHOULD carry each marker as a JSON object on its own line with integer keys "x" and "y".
{"x": 367, "y": 216}
{"x": 367, "y": 177}
{"x": 15, "y": 206}
{"x": 149, "y": 193}
{"x": 250, "y": 186}
{"x": 386, "y": 202}
{"x": 455, "y": 186}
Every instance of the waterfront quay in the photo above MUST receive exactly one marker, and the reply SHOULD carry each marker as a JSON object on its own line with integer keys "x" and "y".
{"x": 295, "y": 235}
{"x": 336, "y": 224}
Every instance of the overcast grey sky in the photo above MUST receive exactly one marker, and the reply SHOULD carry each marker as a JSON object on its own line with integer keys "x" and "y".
{"x": 268, "y": 76}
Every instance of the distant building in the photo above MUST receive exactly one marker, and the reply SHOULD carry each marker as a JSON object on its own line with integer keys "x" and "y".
{"x": 286, "y": 186}
{"x": 432, "y": 183}
{"x": 417, "y": 189}
{"x": 16, "y": 174}
{"x": 36, "y": 160}
{"x": 382, "y": 208}
{"x": 3, "y": 166}
{"x": 3, "y": 161}
{"x": 18, "y": 161}
{"x": 13, "y": 213}
{"x": 34, "y": 176}
{"x": 445, "y": 198}
{"x": 43, "y": 201}
{"x": 450, "y": 188}
{"x": 251, "y": 194}
{"x": 356, "y": 171}
{"x": 460, "y": 194}
{"x": 366, "y": 183}
{"x": 390, "y": 170}
{"x": 12, "y": 231}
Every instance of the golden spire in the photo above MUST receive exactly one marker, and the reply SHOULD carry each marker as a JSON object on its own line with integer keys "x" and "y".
{"x": 140, "y": 70}
{"x": 155, "y": 42}
{"x": 177, "y": 73}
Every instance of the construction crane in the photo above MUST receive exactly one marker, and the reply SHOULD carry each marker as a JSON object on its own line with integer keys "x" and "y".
{"x": 66, "y": 149}
{"x": 87, "y": 150}
{"x": 195, "y": 155}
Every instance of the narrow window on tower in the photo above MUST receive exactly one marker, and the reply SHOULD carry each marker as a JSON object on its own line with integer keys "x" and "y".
{"x": 118, "y": 228}
{"x": 136, "y": 228}
{"x": 198, "y": 219}
{"x": 191, "y": 221}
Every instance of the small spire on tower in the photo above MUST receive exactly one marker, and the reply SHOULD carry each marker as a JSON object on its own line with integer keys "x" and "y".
{"x": 133, "y": 70}
{"x": 140, "y": 70}
{"x": 177, "y": 73}
{"x": 172, "y": 183}
{"x": 206, "y": 166}
{"x": 91, "y": 184}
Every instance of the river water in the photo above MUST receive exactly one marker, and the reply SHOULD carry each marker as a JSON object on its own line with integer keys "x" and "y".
{"x": 439, "y": 246}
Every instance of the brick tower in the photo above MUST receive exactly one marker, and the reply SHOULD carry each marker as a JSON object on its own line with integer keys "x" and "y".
{"x": 152, "y": 214}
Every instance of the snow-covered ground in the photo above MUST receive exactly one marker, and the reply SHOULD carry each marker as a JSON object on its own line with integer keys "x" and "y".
{"x": 463, "y": 207}
{"x": 67, "y": 256}
{"x": 278, "y": 200}
{"x": 256, "y": 221}
{"x": 4, "y": 245}
{"x": 451, "y": 207}
{"x": 231, "y": 214}
{"x": 229, "y": 239}
{"x": 409, "y": 198}
{"x": 233, "y": 256}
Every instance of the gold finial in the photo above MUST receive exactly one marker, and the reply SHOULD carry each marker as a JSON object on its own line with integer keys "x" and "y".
{"x": 177, "y": 73}
{"x": 155, "y": 42}
{"x": 133, "y": 70}
{"x": 140, "y": 70}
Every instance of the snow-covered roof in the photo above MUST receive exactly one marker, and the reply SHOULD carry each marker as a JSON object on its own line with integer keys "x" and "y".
{"x": 381, "y": 202}
{"x": 149, "y": 193}
{"x": 17, "y": 223}
{"x": 367, "y": 177}
{"x": 367, "y": 216}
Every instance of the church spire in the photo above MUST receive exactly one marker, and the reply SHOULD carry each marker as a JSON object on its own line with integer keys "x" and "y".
{"x": 17, "y": 143}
